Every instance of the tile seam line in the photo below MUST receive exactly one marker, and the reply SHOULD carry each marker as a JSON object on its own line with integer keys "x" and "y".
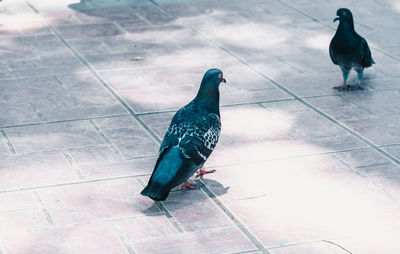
{"x": 63, "y": 121}
{"x": 321, "y": 240}
{"x": 94, "y": 72}
{"x": 39, "y": 187}
{"x": 257, "y": 243}
{"x": 286, "y": 90}
{"x": 10, "y": 146}
{"x": 165, "y": 210}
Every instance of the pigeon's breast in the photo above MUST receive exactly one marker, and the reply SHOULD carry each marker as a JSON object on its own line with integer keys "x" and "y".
{"x": 348, "y": 61}
{"x": 346, "y": 49}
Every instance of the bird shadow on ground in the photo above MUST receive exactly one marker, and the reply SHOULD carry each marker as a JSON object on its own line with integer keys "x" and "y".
{"x": 179, "y": 199}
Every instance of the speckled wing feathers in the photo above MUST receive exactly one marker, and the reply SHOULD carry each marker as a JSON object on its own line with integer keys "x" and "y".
{"x": 196, "y": 134}
{"x": 366, "y": 58}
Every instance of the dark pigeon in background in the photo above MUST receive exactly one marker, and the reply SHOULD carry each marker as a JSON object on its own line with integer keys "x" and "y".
{"x": 191, "y": 137}
{"x": 348, "y": 49}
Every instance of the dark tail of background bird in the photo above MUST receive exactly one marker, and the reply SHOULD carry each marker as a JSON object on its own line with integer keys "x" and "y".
{"x": 162, "y": 180}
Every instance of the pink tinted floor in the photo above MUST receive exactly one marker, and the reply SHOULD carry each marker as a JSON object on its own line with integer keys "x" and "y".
{"x": 88, "y": 89}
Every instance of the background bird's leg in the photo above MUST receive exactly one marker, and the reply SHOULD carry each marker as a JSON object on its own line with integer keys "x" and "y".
{"x": 187, "y": 185}
{"x": 202, "y": 172}
{"x": 345, "y": 72}
{"x": 360, "y": 72}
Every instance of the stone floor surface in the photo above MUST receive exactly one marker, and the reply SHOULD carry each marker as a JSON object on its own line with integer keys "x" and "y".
{"x": 87, "y": 90}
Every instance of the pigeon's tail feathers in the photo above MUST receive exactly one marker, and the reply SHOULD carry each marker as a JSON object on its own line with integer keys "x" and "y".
{"x": 371, "y": 62}
{"x": 163, "y": 178}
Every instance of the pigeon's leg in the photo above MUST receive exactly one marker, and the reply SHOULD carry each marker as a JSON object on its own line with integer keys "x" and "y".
{"x": 360, "y": 72}
{"x": 190, "y": 186}
{"x": 345, "y": 72}
{"x": 202, "y": 172}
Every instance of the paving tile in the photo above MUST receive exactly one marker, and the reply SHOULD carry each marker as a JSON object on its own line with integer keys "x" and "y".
{"x": 242, "y": 78}
{"x": 156, "y": 95}
{"x": 89, "y": 202}
{"x": 385, "y": 176}
{"x": 371, "y": 128}
{"x": 89, "y": 46}
{"x": 91, "y": 238}
{"x": 105, "y": 169}
{"x": 218, "y": 241}
{"x": 340, "y": 108}
{"x": 30, "y": 170}
{"x": 159, "y": 34}
{"x": 18, "y": 201}
{"x": 118, "y": 122}
{"x": 146, "y": 227}
{"x": 380, "y": 103}
{"x": 311, "y": 248}
{"x": 128, "y": 136}
{"x": 194, "y": 211}
{"x": 154, "y": 15}
{"x": 21, "y": 221}
{"x": 381, "y": 241}
{"x": 77, "y": 96}
{"x": 393, "y": 150}
{"x": 134, "y": 142}
{"x": 114, "y": 14}
{"x": 89, "y": 30}
{"x": 164, "y": 55}
{"x": 179, "y": 9}
{"x": 93, "y": 154}
{"x": 236, "y": 96}
{"x": 61, "y": 18}
{"x": 362, "y": 158}
{"x": 45, "y": 137}
{"x": 158, "y": 122}
{"x": 313, "y": 187}
{"x": 21, "y": 112}
{"x": 28, "y": 55}
{"x": 276, "y": 134}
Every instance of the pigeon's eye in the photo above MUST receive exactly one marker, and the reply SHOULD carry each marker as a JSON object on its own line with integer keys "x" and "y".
{"x": 345, "y": 13}
{"x": 220, "y": 75}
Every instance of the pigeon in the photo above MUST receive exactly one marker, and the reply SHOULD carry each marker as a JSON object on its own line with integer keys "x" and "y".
{"x": 191, "y": 137}
{"x": 348, "y": 49}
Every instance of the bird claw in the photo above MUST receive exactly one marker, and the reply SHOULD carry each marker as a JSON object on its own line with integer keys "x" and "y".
{"x": 202, "y": 172}
{"x": 340, "y": 88}
{"x": 359, "y": 87}
{"x": 190, "y": 186}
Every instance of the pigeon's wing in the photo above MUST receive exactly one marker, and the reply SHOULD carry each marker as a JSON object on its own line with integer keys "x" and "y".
{"x": 195, "y": 136}
{"x": 170, "y": 160}
{"x": 174, "y": 133}
{"x": 199, "y": 142}
{"x": 332, "y": 52}
{"x": 187, "y": 144}
{"x": 365, "y": 54}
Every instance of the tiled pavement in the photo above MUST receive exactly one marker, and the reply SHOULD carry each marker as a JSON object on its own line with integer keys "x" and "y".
{"x": 88, "y": 88}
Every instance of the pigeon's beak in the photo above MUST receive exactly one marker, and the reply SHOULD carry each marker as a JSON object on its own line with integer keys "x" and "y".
{"x": 223, "y": 80}
{"x": 335, "y": 19}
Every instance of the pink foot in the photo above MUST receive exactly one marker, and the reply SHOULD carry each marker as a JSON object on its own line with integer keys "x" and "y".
{"x": 342, "y": 87}
{"x": 190, "y": 186}
{"x": 202, "y": 172}
{"x": 359, "y": 86}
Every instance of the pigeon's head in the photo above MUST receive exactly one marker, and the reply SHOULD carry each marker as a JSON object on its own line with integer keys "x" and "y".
{"x": 208, "y": 93}
{"x": 212, "y": 78}
{"x": 344, "y": 15}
